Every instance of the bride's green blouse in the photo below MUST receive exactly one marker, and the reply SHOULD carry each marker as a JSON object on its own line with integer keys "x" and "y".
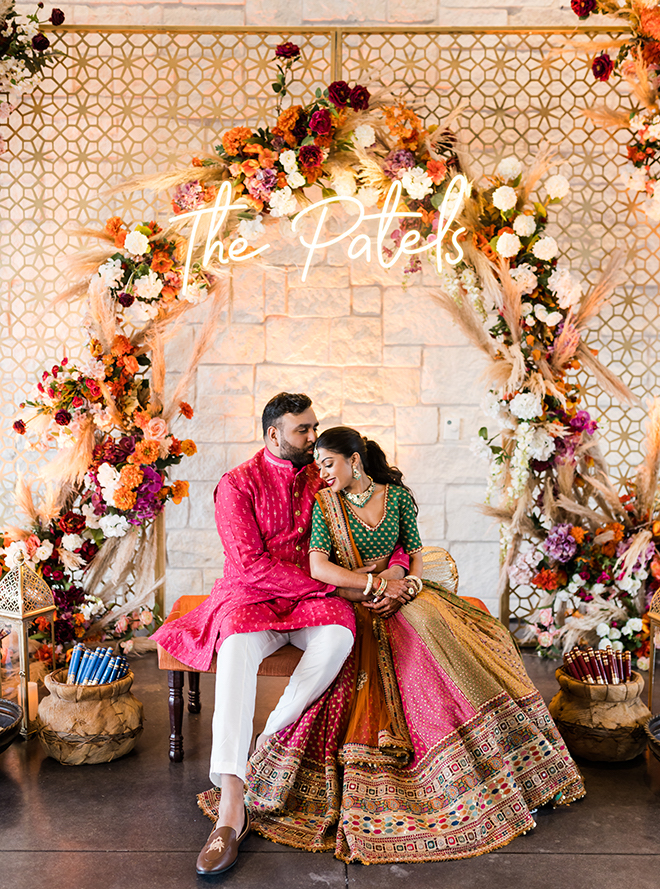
{"x": 397, "y": 525}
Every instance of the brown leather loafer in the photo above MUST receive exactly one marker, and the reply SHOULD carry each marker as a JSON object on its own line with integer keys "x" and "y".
{"x": 221, "y": 849}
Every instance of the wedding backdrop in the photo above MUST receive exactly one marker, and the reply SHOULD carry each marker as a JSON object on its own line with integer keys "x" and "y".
{"x": 121, "y": 103}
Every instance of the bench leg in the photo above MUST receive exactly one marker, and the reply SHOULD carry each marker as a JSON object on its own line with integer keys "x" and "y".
{"x": 175, "y": 682}
{"x": 194, "y": 701}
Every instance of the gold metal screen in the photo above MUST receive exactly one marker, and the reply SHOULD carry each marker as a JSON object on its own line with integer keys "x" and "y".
{"x": 125, "y": 102}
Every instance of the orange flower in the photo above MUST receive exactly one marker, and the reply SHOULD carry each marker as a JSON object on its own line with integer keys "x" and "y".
{"x": 186, "y": 410}
{"x": 121, "y": 346}
{"x": 43, "y": 624}
{"x": 405, "y": 125}
{"x": 175, "y": 447}
{"x": 196, "y": 162}
{"x": 120, "y": 239}
{"x": 180, "y": 249}
{"x": 130, "y": 476}
{"x": 188, "y": 447}
{"x": 141, "y": 418}
{"x": 130, "y": 363}
{"x": 169, "y": 293}
{"x": 546, "y": 579}
{"x": 114, "y": 226}
{"x": 577, "y": 533}
{"x": 161, "y": 261}
{"x": 234, "y": 140}
{"x": 179, "y": 491}
{"x": 289, "y": 118}
{"x": 250, "y": 167}
{"x": 437, "y": 170}
{"x": 145, "y": 452}
{"x": 650, "y": 22}
{"x": 124, "y": 498}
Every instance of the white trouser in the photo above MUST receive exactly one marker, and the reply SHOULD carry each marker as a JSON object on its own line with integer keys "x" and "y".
{"x": 325, "y": 650}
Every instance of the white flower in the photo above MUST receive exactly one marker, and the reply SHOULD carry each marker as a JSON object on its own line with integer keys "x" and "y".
{"x": 606, "y": 643}
{"x": 417, "y": 183}
{"x": 526, "y": 309}
{"x": 44, "y": 551}
{"x": 91, "y": 607}
{"x": 114, "y": 525}
{"x": 108, "y": 478}
{"x": 525, "y": 226}
{"x": 282, "y": 202}
{"x": 508, "y": 245}
{"x": 288, "y": 161}
{"x": 250, "y": 229}
{"x": 520, "y": 460}
{"x": 634, "y": 625}
{"x": 343, "y": 182}
{"x": 72, "y": 542}
{"x": 525, "y": 278}
{"x": 91, "y": 518}
{"x": 651, "y": 207}
{"x": 364, "y": 136}
{"x": 195, "y": 294}
{"x": 545, "y": 249}
{"x": 480, "y": 448}
{"x": 509, "y": 168}
{"x": 653, "y": 132}
{"x": 542, "y": 447}
{"x": 553, "y": 319}
{"x": 111, "y": 272}
{"x": 93, "y": 368}
{"x": 577, "y": 580}
{"x": 597, "y": 589}
{"x": 505, "y": 198}
{"x": 616, "y": 645}
{"x": 603, "y": 629}
{"x": 633, "y": 178}
{"x": 614, "y": 633}
{"x": 564, "y": 285}
{"x": 136, "y": 243}
{"x": 296, "y": 179}
{"x": 643, "y": 663}
{"x": 12, "y": 551}
{"x": 368, "y": 196}
{"x": 148, "y": 286}
{"x": 557, "y": 187}
{"x": 526, "y": 406}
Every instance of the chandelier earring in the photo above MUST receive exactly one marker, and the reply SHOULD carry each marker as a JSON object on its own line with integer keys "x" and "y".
{"x": 357, "y": 475}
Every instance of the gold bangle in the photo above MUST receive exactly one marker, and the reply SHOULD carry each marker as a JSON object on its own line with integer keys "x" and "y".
{"x": 380, "y": 592}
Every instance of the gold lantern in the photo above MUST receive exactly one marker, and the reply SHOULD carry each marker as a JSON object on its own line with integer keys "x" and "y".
{"x": 654, "y": 624}
{"x": 23, "y": 597}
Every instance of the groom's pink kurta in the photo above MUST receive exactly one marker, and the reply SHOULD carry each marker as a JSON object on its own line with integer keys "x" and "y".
{"x": 263, "y": 511}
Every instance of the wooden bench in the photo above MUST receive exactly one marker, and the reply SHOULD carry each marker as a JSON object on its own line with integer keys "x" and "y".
{"x": 276, "y": 668}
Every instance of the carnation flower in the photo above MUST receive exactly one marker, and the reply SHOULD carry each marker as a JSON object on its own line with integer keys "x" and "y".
{"x": 509, "y": 168}
{"x": 364, "y": 136}
{"x": 508, "y": 245}
{"x": 524, "y": 225}
{"x": 417, "y": 183}
{"x": 525, "y": 278}
{"x": 282, "y": 202}
{"x": 557, "y": 187}
{"x": 566, "y": 288}
{"x": 526, "y": 406}
{"x": 136, "y": 243}
{"x": 545, "y": 249}
{"x": 148, "y": 287}
{"x": 505, "y": 198}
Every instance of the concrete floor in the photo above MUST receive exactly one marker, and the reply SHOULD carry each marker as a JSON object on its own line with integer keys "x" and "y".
{"x": 135, "y": 823}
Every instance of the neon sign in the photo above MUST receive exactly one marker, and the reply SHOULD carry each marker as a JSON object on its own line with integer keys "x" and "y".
{"x": 361, "y": 244}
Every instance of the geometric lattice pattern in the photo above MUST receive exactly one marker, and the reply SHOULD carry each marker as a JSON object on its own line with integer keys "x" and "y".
{"x": 23, "y": 593}
{"x": 121, "y": 104}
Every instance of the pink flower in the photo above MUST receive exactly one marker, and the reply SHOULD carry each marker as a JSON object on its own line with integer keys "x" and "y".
{"x": 546, "y": 617}
{"x": 146, "y": 617}
{"x": 156, "y": 429}
{"x": 32, "y": 544}
{"x": 544, "y": 639}
{"x": 127, "y": 646}
{"x": 122, "y": 624}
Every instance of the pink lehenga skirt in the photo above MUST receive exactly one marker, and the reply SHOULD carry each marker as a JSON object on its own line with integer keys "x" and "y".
{"x": 431, "y": 744}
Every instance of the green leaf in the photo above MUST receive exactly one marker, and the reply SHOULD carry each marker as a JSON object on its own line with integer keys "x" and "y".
{"x": 483, "y": 433}
{"x": 318, "y": 93}
{"x": 277, "y": 87}
{"x": 437, "y": 199}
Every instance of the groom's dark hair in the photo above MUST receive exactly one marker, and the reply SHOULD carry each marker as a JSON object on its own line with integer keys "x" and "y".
{"x": 283, "y": 403}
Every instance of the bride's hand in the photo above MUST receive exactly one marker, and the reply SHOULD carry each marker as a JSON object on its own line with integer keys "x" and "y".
{"x": 384, "y": 607}
{"x": 397, "y": 589}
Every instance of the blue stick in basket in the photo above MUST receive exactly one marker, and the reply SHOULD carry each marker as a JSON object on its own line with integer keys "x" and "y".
{"x": 115, "y": 669}
{"x": 100, "y": 667}
{"x": 98, "y": 660}
{"x": 107, "y": 668}
{"x": 74, "y": 663}
{"x": 124, "y": 667}
{"x": 83, "y": 667}
{"x": 91, "y": 666}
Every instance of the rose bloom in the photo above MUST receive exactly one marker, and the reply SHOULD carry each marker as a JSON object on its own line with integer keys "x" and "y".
{"x": 56, "y": 17}
{"x": 19, "y": 426}
{"x": 156, "y": 429}
{"x": 62, "y": 417}
{"x": 583, "y": 8}
{"x": 339, "y": 93}
{"x": 359, "y": 98}
{"x": 321, "y": 122}
{"x": 310, "y": 156}
{"x": 544, "y": 639}
{"x": 602, "y": 66}
{"x": 287, "y": 50}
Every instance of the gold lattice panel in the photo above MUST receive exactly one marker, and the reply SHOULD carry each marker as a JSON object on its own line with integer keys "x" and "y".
{"x": 120, "y": 104}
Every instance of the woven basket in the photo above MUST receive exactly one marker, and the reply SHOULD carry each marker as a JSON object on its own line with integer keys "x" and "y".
{"x": 86, "y": 724}
{"x": 601, "y": 722}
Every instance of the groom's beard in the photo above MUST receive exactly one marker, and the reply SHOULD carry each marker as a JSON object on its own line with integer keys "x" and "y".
{"x": 298, "y": 456}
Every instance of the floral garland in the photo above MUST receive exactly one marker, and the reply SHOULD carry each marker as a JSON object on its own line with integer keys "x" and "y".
{"x": 638, "y": 62}
{"x": 24, "y": 53}
{"x": 590, "y": 554}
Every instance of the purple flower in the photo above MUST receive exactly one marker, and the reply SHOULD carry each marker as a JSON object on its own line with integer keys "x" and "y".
{"x": 582, "y": 422}
{"x": 188, "y": 197}
{"x": 262, "y": 184}
{"x": 560, "y": 543}
{"x": 321, "y": 122}
{"x": 397, "y": 161}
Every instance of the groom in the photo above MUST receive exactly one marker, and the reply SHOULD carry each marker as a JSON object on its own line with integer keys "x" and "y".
{"x": 265, "y": 599}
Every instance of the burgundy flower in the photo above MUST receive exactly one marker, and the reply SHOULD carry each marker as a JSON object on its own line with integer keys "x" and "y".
{"x": 287, "y": 50}
{"x": 72, "y": 523}
{"x": 321, "y": 122}
{"x": 88, "y": 550}
{"x": 583, "y": 8}
{"x": 19, "y": 426}
{"x": 125, "y": 299}
{"x": 360, "y": 98}
{"x": 62, "y": 417}
{"x": 602, "y": 67}
{"x": 299, "y": 131}
{"x": 56, "y": 17}
{"x": 40, "y": 42}
{"x": 339, "y": 93}
{"x": 310, "y": 156}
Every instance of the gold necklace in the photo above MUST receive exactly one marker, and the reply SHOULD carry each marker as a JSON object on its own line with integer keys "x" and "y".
{"x": 364, "y": 497}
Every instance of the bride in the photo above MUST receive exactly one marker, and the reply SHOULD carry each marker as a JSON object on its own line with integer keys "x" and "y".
{"x": 432, "y": 743}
